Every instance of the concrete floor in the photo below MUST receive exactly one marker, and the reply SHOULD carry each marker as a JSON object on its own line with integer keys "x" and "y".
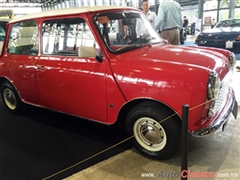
{"x": 216, "y": 155}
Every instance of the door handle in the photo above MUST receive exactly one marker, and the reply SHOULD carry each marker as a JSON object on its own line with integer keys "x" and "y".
{"x": 41, "y": 68}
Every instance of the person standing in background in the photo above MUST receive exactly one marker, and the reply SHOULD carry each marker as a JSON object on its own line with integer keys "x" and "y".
{"x": 213, "y": 23}
{"x": 183, "y": 31}
{"x": 185, "y": 22}
{"x": 169, "y": 21}
{"x": 121, "y": 31}
{"x": 151, "y": 16}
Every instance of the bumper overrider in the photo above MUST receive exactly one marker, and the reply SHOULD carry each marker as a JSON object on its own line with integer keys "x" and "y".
{"x": 220, "y": 120}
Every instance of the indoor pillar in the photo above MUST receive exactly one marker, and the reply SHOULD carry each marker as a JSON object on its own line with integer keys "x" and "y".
{"x": 200, "y": 11}
{"x": 231, "y": 9}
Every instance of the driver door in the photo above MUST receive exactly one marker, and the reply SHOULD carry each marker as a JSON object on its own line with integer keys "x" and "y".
{"x": 66, "y": 82}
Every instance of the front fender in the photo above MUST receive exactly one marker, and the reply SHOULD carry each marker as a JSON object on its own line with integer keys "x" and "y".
{"x": 171, "y": 84}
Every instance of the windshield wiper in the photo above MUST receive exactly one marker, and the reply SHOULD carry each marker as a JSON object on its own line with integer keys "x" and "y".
{"x": 128, "y": 48}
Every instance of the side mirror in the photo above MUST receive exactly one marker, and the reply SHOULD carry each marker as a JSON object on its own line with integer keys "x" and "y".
{"x": 87, "y": 51}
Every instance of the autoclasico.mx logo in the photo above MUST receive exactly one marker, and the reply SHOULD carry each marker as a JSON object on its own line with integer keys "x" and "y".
{"x": 189, "y": 174}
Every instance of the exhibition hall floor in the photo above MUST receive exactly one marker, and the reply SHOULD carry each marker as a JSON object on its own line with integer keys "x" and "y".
{"x": 46, "y": 145}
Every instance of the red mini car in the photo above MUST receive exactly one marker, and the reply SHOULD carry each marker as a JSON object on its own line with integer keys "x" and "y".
{"x": 94, "y": 63}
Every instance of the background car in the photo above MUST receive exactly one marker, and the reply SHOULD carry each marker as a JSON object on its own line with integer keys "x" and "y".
{"x": 225, "y": 34}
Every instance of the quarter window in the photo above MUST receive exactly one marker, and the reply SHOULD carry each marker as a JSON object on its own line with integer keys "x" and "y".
{"x": 23, "y": 38}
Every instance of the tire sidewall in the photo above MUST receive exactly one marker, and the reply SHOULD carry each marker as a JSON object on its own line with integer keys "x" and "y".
{"x": 170, "y": 127}
{"x": 18, "y": 108}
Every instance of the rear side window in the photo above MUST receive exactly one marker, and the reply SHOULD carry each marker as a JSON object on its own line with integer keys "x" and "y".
{"x": 64, "y": 36}
{"x": 2, "y": 33}
{"x": 23, "y": 38}
{"x": 3, "y": 25}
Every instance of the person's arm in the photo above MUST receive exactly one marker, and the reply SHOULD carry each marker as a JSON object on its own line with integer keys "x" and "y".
{"x": 159, "y": 18}
{"x": 125, "y": 29}
{"x": 180, "y": 18}
{"x": 154, "y": 18}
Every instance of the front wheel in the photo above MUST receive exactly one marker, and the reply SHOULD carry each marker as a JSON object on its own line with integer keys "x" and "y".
{"x": 11, "y": 98}
{"x": 151, "y": 138}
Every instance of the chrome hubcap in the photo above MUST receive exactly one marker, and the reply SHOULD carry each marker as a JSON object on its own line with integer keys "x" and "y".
{"x": 149, "y": 134}
{"x": 9, "y": 99}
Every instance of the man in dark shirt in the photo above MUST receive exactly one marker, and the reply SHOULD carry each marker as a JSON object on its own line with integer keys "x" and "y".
{"x": 185, "y": 22}
{"x": 183, "y": 34}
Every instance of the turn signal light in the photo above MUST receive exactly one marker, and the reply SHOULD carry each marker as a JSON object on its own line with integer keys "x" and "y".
{"x": 238, "y": 38}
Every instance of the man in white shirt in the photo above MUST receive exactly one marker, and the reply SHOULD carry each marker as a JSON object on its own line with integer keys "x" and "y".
{"x": 151, "y": 16}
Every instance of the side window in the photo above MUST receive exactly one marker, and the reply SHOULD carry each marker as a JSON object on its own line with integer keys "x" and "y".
{"x": 2, "y": 33}
{"x": 23, "y": 38}
{"x": 64, "y": 36}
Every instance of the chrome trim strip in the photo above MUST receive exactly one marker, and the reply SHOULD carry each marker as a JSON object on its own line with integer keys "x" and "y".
{"x": 223, "y": 117}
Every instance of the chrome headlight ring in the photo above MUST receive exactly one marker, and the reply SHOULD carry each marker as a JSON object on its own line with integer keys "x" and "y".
{"x": 213, "y": 89}
{"x": 232, "y": 59}
{"x": 213, "y": 85}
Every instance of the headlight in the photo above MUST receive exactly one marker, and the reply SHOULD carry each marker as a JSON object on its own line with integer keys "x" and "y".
{"x": 213, "y": 85}
{"x": 232, "y": 59}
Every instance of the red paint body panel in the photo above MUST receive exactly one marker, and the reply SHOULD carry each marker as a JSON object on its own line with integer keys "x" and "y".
{"x": 73, "y": 85}
{"x": 21, "y": 71}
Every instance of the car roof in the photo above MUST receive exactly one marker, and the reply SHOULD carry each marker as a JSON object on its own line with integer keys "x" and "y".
{"x": 231, "y": 19}
{"x": 65, "y": 11}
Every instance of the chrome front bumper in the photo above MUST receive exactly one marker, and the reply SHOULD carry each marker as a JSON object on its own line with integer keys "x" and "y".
{"x": 231, "y": 106}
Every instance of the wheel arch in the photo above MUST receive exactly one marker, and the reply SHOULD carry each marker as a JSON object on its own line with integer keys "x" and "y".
{"x": 122, "y": 116}
{"x": 10, "y": 96}
{"x": 4, "y": 79}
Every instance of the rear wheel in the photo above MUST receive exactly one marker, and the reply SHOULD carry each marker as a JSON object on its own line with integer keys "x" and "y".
{"x": 151, "y": 138}
{"x": 11, "y": 99}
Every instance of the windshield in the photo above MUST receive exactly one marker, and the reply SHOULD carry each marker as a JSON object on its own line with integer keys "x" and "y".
{"x": 228, "y": 23}
{"x": 125, "y": 31}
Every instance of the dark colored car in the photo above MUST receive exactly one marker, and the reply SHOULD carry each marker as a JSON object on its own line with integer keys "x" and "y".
{"x": 225, "y": 34}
